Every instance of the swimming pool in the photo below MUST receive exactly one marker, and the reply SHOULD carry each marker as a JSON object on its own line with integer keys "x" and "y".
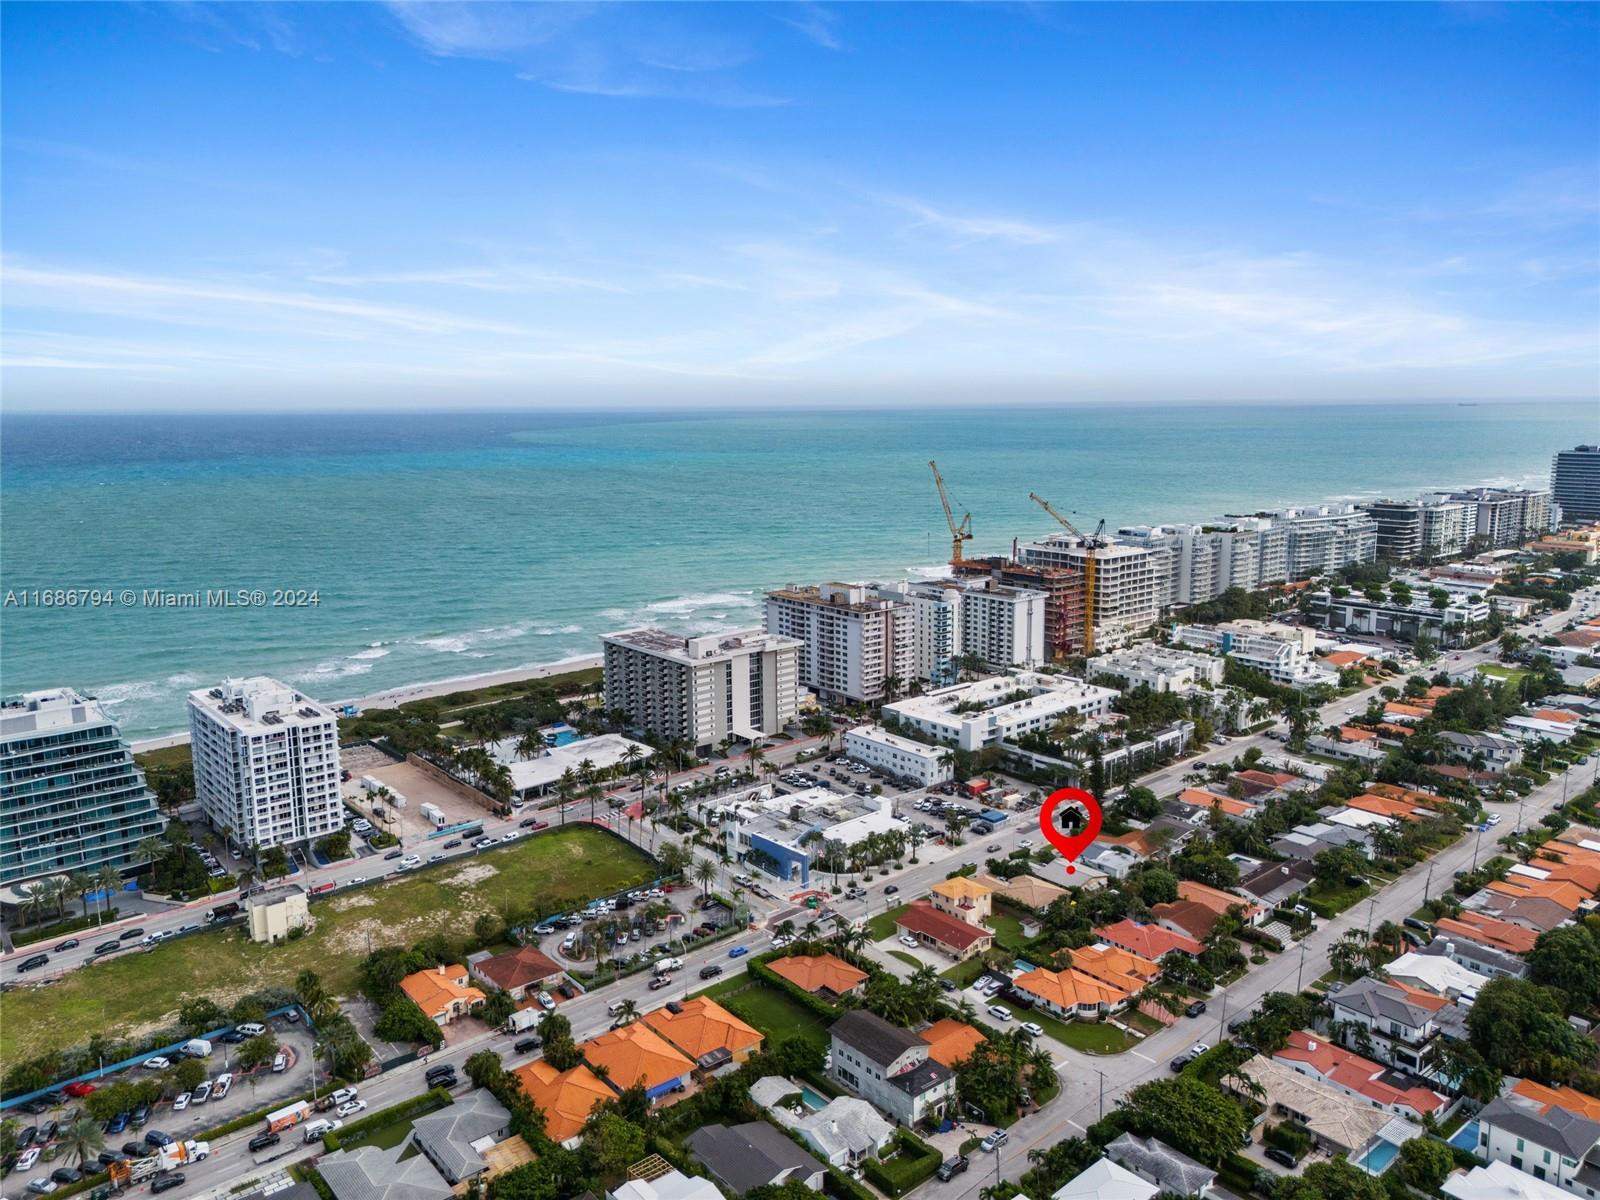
{"x": 561, "y": 735}
{"x": 1379, "y": 1157}
{"x": 811, "y": 1100}
{"x": 1466, "y": 1138}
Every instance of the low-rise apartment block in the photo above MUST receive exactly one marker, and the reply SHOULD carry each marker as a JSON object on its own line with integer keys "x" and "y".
{"x": 1282, "y": 653}
{"x": 706, "y": 689}
{"x": 972, "y": 716}
{"x": 1456, "y": 624}
{"x": 899, "y": 756}
{"x": 1159, "y": 668}
{"x": 266, "y": 762}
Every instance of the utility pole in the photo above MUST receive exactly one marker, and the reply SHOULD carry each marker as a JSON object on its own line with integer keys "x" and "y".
{"x": 1102, "y": 1108}
{"x": 1222, "y": 1023}
{"x": 1300, "y": 974}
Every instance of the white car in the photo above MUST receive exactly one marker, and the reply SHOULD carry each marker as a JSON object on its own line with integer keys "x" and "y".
{"x": 1025, "y": 843}
{"x": 156, "y": 1064}
{"x": 280, "y": 1063}
{"x": 343, "y": 1095}
{"x": 201, "y": 1094}
{"x": 181, "y": 1102}
{"x": 1033, "y": 1028}
{"x": 224, "y": 1082}
{"x": 546, "y": 1001}
{"x": 999, "y": 1013}
{"x": 410, "y": 861}
{"x": 42, "y": 1186}
{"x": 350, "y": 1107}
{"x": 1199, "y": 1048}
{"x": 27, "y": 1158}
{"x": 1494, "y": 818}
{"x": 907, "y": 940}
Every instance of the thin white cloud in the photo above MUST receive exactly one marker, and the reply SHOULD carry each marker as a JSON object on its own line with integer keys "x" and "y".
{"x": 977, "y": 228}
{"x": 816, "y": 22}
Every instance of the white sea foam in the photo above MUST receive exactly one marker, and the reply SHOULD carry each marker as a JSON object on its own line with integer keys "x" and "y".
{"x": 372, "y": 652}
{"x": 553, "y": 630}
{"x": 684, "y": 605}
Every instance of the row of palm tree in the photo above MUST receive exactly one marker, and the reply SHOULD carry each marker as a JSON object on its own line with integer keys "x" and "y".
{"x": 57, "y": 891}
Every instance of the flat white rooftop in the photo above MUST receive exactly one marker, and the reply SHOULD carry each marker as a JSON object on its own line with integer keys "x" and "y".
{"x": 258, "y": 704}
{"x": 34, "y": 713}
{"x": 699, "y": 649}
{"x": 606, "y": 750}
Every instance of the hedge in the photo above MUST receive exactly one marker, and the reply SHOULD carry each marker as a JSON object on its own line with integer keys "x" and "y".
{"x": 247, "y": 1120}
{"x": 311, "y": 1175}
{"x": 759, "y": 968}
{"x": 358, "y": 1131}
{"x": 841, "y": 1187}
{"x": 915, "y": 1163}
{"x": 1251, "y": 934}
{"x": 61, "y": 929}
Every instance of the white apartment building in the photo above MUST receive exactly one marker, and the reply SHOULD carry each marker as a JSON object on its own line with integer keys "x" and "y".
{"x": 1125, "y": 587}
{"x": 900, "y": 756}
{"x": 1282, "y": 653}
{"x": 1507, "y": 516}
{"x": 266, "y": 762}
{"x": 951, "y": 618}
{"x": 1449, "y": 626}
{"x": 999, "y": 709}
{"x": 1200, "y": 562}
{"x": 854, "y": 641}
{"x": 1428, "y": 527}
{"x": 1320, "y": 538}
{"x": 1159, "y": 668}
{"x": 706, "y": 689}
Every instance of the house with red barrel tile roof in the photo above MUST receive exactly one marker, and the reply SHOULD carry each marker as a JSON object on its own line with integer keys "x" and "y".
{"x": 1147, "y": 941}
{"x": 1385, "y": 1087}
{"x": 943, "y": 932}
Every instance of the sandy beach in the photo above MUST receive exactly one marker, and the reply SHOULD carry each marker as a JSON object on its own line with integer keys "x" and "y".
{"x": 422, "y": 691}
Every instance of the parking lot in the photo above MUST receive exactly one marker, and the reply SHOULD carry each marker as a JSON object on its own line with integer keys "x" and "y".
{"x": 406, "y": 821}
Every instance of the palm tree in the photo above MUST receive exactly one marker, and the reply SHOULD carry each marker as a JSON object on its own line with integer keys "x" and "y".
{"x": 531, "y": 744}
{"x": 83, "y": 1139}
{"x": 35, "y": 896}
{"x": 60, "y": 891}
{"x": 629, "y": 1012}
{"x": 82, "y": 883}
{"x": 704, "y": 872}
{"x": 150, "y": 850}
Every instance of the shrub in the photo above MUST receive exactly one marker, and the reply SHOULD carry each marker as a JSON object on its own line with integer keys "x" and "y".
{"x": 914, "y": 1162}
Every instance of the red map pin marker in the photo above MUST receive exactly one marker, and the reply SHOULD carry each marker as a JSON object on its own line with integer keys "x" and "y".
{"x": 1070, "y": 844}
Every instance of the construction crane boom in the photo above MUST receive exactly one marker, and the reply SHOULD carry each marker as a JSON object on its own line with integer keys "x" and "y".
{"x": 1061, "y": 520}
{"x": 960, "y": 531}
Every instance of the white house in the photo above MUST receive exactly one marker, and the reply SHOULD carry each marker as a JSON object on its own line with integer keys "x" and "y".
{"x": 889, "y": 1067}
{"x": 899, "y": 756}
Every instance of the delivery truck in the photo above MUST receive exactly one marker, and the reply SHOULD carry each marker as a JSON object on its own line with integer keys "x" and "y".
{"x": 293, "y": 1114}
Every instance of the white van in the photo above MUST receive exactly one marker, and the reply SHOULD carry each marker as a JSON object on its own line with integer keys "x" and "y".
{"x": 614, "y": 1007}
{"x": 316, "y": 1130}
{"x": 252, "y": 1029}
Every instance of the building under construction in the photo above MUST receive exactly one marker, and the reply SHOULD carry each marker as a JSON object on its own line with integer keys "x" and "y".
{"x": 1064, "y": 595}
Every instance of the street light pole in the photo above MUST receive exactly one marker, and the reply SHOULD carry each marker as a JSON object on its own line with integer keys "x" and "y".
{"x": 1299, "y": 975}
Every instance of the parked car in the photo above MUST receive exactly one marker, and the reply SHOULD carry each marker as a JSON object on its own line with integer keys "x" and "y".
{"x": 1179, "y": 1063}
{"x": 156, "y": 1139}
{"x": 180, "y": 1102}
{"x": 999, "y": 1013}
{"x": 951, "y": 1167}
{"x": 156, "y": 1064}
{"x": 117, "y": 1123}
{"x": 1195, "y": 1009}
{"x": 907, "y": 940}
{"x": 994, "y": 1141}
{"x": 65, "y": 1175}
{"x": 351, "y": 1107}
{"x": 1033, "y": 1029}
{"x": 140, "y": 1116}
{"x": 166, "y": 1181}
{"x": 280, "y": 1063}
{"x": 42, "y": 1187}
{"x": 224, "y": 1082}
{"x": 201, "y": 1094}
{"x": 1282, "y": 1157}
{"x": 27, "y": 1158}
{"x": 79, "y": 1090}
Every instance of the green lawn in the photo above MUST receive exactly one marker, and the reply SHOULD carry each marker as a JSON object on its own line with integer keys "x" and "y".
{"x": 1007, "y": 931}
{"x": 910, "y": 960}
{"x": 1338, "y": 897}
{"x": 963, "y": 973}
{"x": 1089, "y": 1036}
{"x": 773, "y": 1013}
{"x": 1514, "y": 674}
{"x": 882, "y": 925}
{"x": 138, "y": 991}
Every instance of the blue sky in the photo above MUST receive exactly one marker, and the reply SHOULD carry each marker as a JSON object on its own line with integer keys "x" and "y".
{"x": 413, "y": 204}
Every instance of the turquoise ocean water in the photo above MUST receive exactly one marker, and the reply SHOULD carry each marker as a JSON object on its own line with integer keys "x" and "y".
{"x": 450, "y": 545}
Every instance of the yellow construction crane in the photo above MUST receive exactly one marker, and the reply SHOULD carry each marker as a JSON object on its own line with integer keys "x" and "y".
{"x": 960, "y": 531}
{"x": 1091, "y": 544}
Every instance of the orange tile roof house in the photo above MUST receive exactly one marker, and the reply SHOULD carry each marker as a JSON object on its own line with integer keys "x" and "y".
{"x": 962, "y": 898}
{"x": 951, "y": 1041}
{"x": 566, "y": 1097}
{"x": 701, "y": 1027}
{"x": 1563, "y": 1097}
{"x": 1071, "y": 994}
{"x": 1383, "y": 806}
{"x": 521, "y": 971}
{"x": 1209, "y": 800}
{"x": 1185, "y": 916}
{"x": 1309, "y": 1055}
{"x": 943, "y": 932}
{"x": 1411, "y": 796}
{"x": 1219, "y": 901}
{"x": 1567, "y": 895}
{"x": 1395, "y": 711}
{"x": 1147, "y": 941}
{"x": 1272, "y": 779}
{"x": 1115, "y": 966}
{"x": 1350, "y": 733}
{"x": 1488, "y": 931}
{"x": 638, "y": 1054}
{"x": 1345, "y": 658}
{"x": 443, "y": 993}
{"x": 824, "y": 975}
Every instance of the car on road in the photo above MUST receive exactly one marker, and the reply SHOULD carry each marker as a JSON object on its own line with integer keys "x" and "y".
{"x": 951, "y": 1167}
{"x": 280, "y": 1063}
{"x": 484, "y": 843}
{"x": 262, "y": 1140}
{"x": 1494, "y": 819}
{"x": 166, "y": 1181}
{"x": 394, "y": 854}
{"x": 999, "y": 1013}
{"x": 1282, "y": 1157}
{"x": 156, "y": 1139}
{"x": 1033, "y": 1029}
{"x": 453, "y": 844}
{"x": 1199, "y": 1048}
{"x": 127, "y": 935}
{"x": 351, "y": 1107}
{"x": 710, "y": 972}
{"x": 69, "y": 944}
{"x": 343, "y": 1095}
{"x": 1195, "y": 1009}
{"x": 659, "y": 982}
{"x": 110, "y": 947}
{"x": 32, "y": 962}
{"x": 528, "y": 1045}
{"x": 994, "y": 1141}
{"x": 738, "y": 951}
{"x": 891, "y": 889}
{"x": 992, "y": 849}
{"x": 156, "y": 1064}
{"x": 1178, "y": 1063}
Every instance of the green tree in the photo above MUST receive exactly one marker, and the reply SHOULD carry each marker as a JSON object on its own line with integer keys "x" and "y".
{"x": 1425, "y": 1163}
{"x": 1568, "y": 957}
{"x": 188, "y": 1075}
{"x": 201, "y": 1014}
{"x": 1188, "y": 1115}
{"x": 83, "y": 1139}
{"x": 485, "y": 1069}
{"x": 257, "y": 1050}
{"x": 615, "y": 1144}
{"x": 1520, "y": 1028}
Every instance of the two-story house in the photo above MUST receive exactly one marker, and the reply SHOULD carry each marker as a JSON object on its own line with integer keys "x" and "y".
{"x": 1552, "y": 1134}
{"x": 965, "y": 899}
{"x": 889, "y": 1067}
{"x": 1392, "y": 1024}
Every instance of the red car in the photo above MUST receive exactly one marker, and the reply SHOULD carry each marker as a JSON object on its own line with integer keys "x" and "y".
{"x": 78, "y": 1090}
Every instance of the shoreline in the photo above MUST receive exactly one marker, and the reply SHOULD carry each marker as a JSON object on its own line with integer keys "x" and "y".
{"x": 390, "y": 697}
